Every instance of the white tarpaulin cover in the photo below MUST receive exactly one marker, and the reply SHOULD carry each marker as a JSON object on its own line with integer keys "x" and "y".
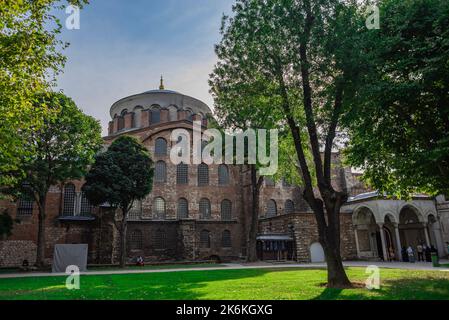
{"x": 69, "y": 255}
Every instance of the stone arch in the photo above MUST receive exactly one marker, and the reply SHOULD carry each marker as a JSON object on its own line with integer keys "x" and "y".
{"x": 413, "y": 208}
{"x": 172, "y": 112}
{"x": 391, "y": 216}
{"x": 361, "y": 215}
{"x": 138, "y": 116}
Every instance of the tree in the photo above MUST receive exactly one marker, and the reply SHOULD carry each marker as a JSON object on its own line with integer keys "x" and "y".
{"x": 119, "y": 177}
{"x": 235, "y": 103}
{"x": 59, "y": 150}
{"x": 399, "y": 127}
{"x": 309, "y": 50}
{"x": 29, "y": 62}
{"x": 6, "y": 224}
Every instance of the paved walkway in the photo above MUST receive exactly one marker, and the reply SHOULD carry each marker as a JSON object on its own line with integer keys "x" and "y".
{"x": 258, "y": 265}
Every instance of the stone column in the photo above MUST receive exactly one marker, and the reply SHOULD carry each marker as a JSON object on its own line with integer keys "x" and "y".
{"x": 382, "y": 237}
{"x": 357, "y": 242}
{"x": 398, "y": 242}
{"x": 426, "y": 234}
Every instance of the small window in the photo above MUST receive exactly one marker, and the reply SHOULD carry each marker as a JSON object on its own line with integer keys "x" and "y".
{"x": 69, "y": 200}
{"x": 136, "y": 210}
{"x": 160, "y": 148}
{"x": 205, "y": 239}
{"x": 159, "y": 208}
{"x": 226, "y": 239}
{"x": 203, "y": 174}
{"x": 226, "y": 210}
{"x": 182, "y": 174}
{"x": 155, "y": 116}
{"x": 205, "y": 210}
{"x": 160, "y": 239}
{"x": 223, "y": 175}
{"x": 160, "y": 172}
{"x": 136, "y": 240}
{"x": 86, "y": 207}
{"x": 25, "y": 206}
{"x": 289, "y": 207}
{"x": 271, "y": 209}
{"x": 183, "y": 208}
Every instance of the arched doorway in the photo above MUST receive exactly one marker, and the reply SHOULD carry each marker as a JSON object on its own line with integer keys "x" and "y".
{"x": 367, "y": 234}
{"x": 317, "y": 253}
{"x": 411, "y": 228}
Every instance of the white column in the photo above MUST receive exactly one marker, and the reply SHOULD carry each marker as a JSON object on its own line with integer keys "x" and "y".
{"x": 426, "y": 234}
{"x": 357, "y": 242}
{"x": 382, "y": 237}
{"x": 398, "y": 242}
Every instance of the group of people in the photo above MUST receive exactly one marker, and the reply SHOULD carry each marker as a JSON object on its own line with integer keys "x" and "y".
{"x": 422, "y": 253}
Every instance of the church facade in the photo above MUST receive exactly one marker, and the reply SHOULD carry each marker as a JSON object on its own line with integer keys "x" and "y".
{"x": 201, "y": 212}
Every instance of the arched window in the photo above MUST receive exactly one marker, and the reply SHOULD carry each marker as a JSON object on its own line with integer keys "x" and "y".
{"x": 136, "y": 240}
{"x": 182, "y": 174}
{"x": 160, "y": 148}
{"x": 289, "y": 207}
{"x": 160, "y": 172}
{"x": 226, "y": 210}
{"x": 25, "y": 205}
{"x": 205, "y": 239}
{"x": 226, "y": 239}
{"x": 136, "y": 210}
{"x": 155, "y": 116}
{"x": 183, "y": 208}
{"x": 223, "y": 175}
{"x": 203, "y": 174}
{"x": 159, "y": 208}
{"x": 271, "y": 208}
{"x": 205, "y": 210}
{"x": 69, "y": 200}
{"x": 160, "y": 239}
{"x": 86, "y": 207}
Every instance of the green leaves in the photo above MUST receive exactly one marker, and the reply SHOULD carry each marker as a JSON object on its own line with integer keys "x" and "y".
{"x": 121, "y": 175}
{"x": 400, "y": 121}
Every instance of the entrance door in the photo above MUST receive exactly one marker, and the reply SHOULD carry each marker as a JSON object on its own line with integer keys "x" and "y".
{"x": 316, "y": 252}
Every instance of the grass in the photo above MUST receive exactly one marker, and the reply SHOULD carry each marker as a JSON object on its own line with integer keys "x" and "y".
{"x": 230, "y": 284}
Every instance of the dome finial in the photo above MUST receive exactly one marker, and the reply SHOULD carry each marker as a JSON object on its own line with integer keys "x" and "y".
{"x": 161, "y": 87}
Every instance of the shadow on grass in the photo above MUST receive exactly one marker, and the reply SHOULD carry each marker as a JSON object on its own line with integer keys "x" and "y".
{"x": 221, "y": 284}
{"x": 399, "y": 289}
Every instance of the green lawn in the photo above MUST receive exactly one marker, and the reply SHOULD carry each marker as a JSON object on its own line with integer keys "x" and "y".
{"x": 231, "y": 284}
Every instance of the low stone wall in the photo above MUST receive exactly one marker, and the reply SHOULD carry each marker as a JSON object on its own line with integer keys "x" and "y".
{"x": 13, "y": 252}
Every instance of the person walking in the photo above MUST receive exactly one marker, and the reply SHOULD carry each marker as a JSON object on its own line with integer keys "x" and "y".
{"x": 411, "y": 255}
{"x": 420, "y": 251}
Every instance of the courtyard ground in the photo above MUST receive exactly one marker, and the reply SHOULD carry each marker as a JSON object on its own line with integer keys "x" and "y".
{"x": 255, "y": 282}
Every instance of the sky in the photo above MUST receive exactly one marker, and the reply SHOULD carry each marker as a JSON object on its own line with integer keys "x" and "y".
{"x": 123, "y": 48}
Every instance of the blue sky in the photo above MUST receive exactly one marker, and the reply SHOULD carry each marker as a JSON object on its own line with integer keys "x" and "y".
{"x": 123, "y": 47}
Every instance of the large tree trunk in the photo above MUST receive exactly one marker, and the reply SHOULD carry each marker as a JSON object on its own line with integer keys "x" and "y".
{"x": 123, "y": 230}
{"x": 40, "y": 256}
{"x": 252, "y": 235}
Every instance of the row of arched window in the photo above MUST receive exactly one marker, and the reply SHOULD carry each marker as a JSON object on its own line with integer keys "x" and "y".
{"x": 272, "y": 211}
{"x": 73, "y": 204}
{"x": 155, "y": 116}
{"x": 182, "y": 211}
{"x": 159, "y": 239}
{"x": 182, "y": 174}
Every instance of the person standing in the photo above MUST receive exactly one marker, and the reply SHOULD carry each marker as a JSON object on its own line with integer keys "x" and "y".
{"x": 411, "y": 255}
{"x": 428, "y": 254}
{"x": 420, "y": 251}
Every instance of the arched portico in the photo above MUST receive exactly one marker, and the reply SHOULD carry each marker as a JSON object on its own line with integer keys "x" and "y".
{"x": 382, "y": 227}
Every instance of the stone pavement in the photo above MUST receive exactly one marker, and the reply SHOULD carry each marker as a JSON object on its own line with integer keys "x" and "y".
{"x": 258, "y": 265}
